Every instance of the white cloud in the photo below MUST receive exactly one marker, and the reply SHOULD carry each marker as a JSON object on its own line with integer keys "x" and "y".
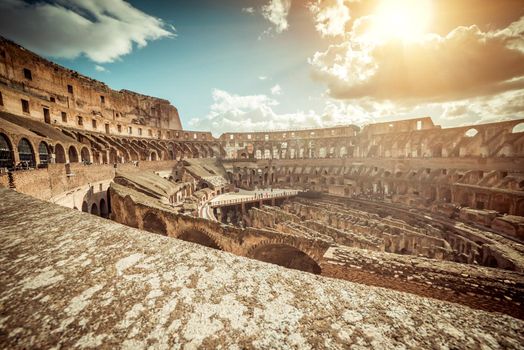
{"x": 505, "y": 106}
{"x": 101, "y": 30}
{"x": 276, "y": 12}
{"x": 249, "y": 10}
{"x": 331, "y": 16}
{"x": 100, "y": 68}
{"x": 257, "y": 113}
{"x": 468, "y": 76}
{"x": 276, "y": 90}
{"x": 262, "y": 77}
{"x": 467, "y": 62}
{"x": 479, "y": 110}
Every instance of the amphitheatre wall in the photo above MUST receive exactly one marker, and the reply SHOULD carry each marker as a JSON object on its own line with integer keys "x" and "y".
{"x": 37, "y": 88}
{"x": 73, "y": 132}
{"x": 485, "y": 191}
{"x": 413, "y": 138}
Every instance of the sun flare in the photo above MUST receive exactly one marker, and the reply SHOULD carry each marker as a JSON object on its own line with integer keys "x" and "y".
{"x": 401, "y": 19}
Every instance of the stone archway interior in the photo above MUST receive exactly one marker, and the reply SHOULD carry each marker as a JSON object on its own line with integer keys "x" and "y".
{"x": 196, "y": 236}
{"x": 153, "y": 223}
{"x": 286, "y": 256}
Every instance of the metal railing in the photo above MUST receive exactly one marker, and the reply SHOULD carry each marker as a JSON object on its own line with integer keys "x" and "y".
{"x": 257, "y": 197}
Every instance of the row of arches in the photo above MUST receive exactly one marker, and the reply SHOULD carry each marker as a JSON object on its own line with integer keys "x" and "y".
{"x": 278, "y": 253}
{"x": 492, "y": 140}
{"x": 275, "y": 253}
{"x": 481, "y": 141}
{"x": 99, "y": 209}
{"x": 428, "y": 185}
{"x": 110, "y": 150}
{"x": 307, "y": 151}
{"x": 24, "y": 153}
{"x": 27, "y": 154}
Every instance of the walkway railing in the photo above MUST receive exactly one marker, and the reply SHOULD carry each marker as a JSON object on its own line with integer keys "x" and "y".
{"x": 254, "y": 198}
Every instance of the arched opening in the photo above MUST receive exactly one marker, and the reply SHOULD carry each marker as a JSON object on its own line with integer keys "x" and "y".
{"x": 6, "y": 152}
{"x": 124, "y": 156}
{"x": 446, "y": 195}
{"x": 490, "y": 261}
{"x": 501, "y": 204}
{"x": 153, "y": 156}
{"x": 104, "y": 158}
{"x": 153, "y": 223}
{"x": 113, "y": 157}
{"x": 59, "y": 154}
{"x": 25, "y": 152}
{"x": 43, "y": 153}
{"x": 84, "y": 154}
{"x": 195, "y": 153}
{"x": 211, "y": 152}
{"x": 84, "y": 207}
{"x": 520, "y": 208}
{"x": 94, "y": 209}
{"x": 103, "y": 208}
{"x": 286, "y": 256}
{"x": 465, "y": 199}
{"x": 108, "y": 196}
{"x": 73, "y": 155}
{"x": 436, "y": 151}
{"x": 431, "y": 193}
{"x": 134, "y": 155}
{"x": 198, "y": 237}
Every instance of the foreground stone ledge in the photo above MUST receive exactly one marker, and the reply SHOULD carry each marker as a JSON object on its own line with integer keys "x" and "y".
{"x": 74, "y": 280}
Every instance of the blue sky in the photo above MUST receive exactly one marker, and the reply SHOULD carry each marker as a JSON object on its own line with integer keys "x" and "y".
{"x": 215, "y": 47}
{"x": 273, "y": 64}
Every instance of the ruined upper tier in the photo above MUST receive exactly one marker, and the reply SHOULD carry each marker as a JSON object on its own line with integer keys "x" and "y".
{"x": 58, "y": 95}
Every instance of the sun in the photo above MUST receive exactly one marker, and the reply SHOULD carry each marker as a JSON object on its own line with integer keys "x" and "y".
{"x": 401, "y": 19}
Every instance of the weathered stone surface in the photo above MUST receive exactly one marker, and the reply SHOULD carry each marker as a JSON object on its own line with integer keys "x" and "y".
{"x": 87, "y": 282}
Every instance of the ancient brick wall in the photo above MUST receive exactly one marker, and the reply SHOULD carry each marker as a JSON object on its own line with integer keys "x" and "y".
{"x": 473, "y": 291}
{"x": 57, "y": 179}
{"x": 403, "y": 139}
{"x": 35, "y": 182}
{"x": 45, "y": 85}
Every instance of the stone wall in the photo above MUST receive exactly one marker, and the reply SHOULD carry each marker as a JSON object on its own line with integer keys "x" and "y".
{"x": 486, "y": 185}
{"x": 59, "y": 178}
{"x": 477, "y": 288}
{"x": 45, "y": 85}
{"x": 413, "y": 138}
{"x": 82, "y": 281}
{"x": 447, "y": 279}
